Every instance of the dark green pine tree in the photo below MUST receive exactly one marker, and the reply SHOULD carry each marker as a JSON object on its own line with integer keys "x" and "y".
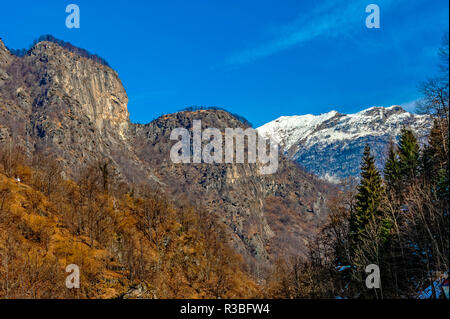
{"x": 392, "y": 171}
{"x": 434, "y": 162}
{"x": 368, "y": 199}
{"x": 408, "y": 154}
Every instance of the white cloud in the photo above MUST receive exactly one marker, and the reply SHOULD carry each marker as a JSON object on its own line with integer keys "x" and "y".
{"x": 410, "y": 106}
{"x": 329, "y": 19}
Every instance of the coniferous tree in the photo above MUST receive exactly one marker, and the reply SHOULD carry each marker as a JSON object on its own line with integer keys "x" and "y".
{"x": 367, "y": 200}
{"x": 434, "y": 161}
{"x": 392, "y": 169}
{"x": 408, "y": 153}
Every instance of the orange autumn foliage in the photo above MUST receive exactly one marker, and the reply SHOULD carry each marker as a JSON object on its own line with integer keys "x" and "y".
{"x": 132, "y": 244}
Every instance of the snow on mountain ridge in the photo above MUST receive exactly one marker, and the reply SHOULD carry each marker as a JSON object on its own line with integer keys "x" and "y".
{"x": 329, "y": 143}
{"x": 287, "y": 130}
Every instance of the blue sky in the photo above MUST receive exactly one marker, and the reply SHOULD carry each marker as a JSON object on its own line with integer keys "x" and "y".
{"x": 261, "y": 59}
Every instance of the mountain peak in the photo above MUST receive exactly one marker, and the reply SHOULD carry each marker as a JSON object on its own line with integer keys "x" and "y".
{"x": 5, "y": 59}
{"x": 381, "y": 110}
{"x": 62, "y": 87}
{"x": 50, "y": 42}
{"x": 3, "y": 50}
{"x": 396, "y": 108}
{"x": 288, "y": 129}
{"x": 341, "y": 137}
{"x": 211, "y": 111}
{"x": 57, "y": 47}
{"x": 2, "y": 45}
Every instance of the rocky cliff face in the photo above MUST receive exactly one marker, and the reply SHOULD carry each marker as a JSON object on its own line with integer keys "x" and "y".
{"x": 11, "y": 113}
{"x": 56, "y": 101}
{"x": 5, "y": 59}
{"x": 71, "y": 106}
{"x": 331, "y": 145}
{"x": 269, "y": 215}
{"x": 94, "y": 90}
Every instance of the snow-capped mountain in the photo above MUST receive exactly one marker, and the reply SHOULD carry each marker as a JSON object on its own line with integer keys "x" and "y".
{"x": 331, "y": 144}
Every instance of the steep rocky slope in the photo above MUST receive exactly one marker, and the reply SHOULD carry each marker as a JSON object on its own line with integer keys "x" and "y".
{"x": 56, "y": 100}
{"x": 269, "y": 215}
{"x": 53, "y": 100}
{"x": 330, "y": 145}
